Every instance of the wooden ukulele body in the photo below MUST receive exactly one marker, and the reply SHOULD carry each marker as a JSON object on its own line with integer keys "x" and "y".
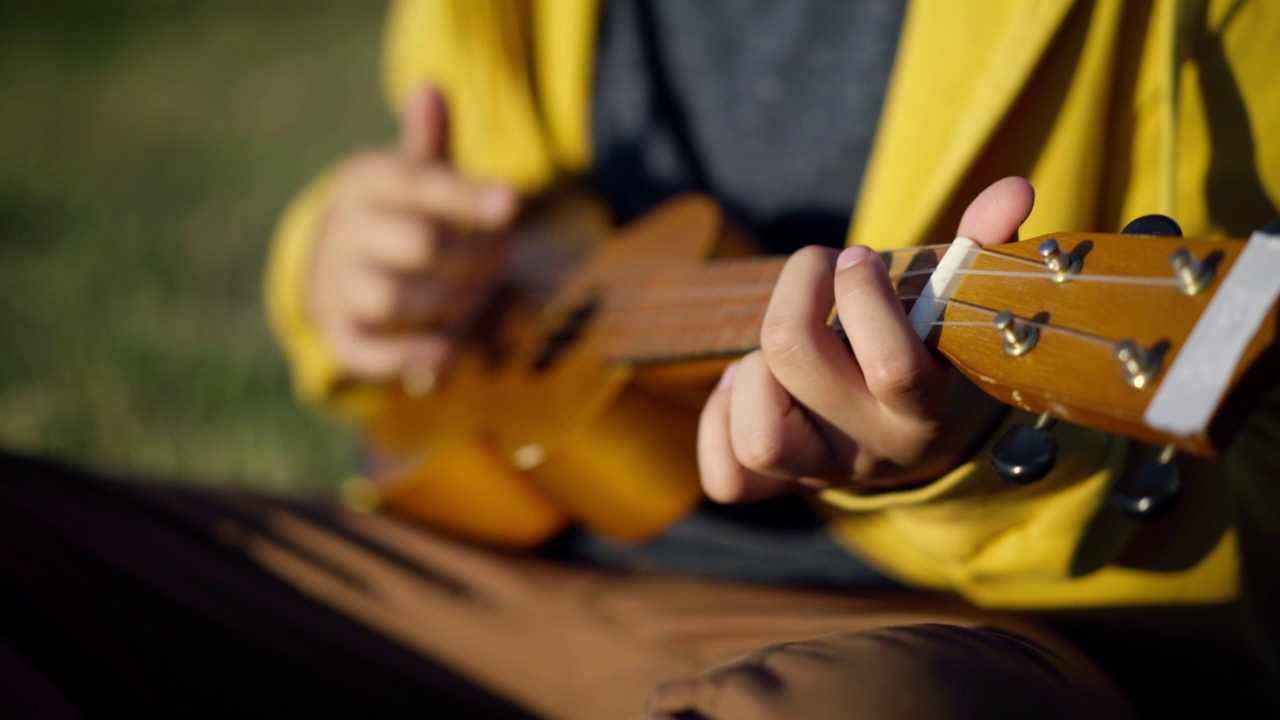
{"x": 533, "y": 426}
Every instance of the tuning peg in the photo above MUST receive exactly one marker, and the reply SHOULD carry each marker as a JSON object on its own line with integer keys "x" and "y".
{"x": 1152, "y": 490}
{"x": 1024, "y": 454}
{"x": 1153, "y": 225}
{"x": 1059, "y": 262}
{"x": 1140, "y": 364}
{"x": 1192, "y": 274}
{"x": 1019, "y": 337}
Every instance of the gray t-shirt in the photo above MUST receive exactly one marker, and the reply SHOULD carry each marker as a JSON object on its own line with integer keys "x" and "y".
{"x": 769, "y": 105}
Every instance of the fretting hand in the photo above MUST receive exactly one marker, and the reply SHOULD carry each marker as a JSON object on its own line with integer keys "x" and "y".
{"x": 804, "y": 411}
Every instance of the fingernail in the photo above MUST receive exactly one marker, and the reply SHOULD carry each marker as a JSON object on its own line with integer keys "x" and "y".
{"x": 497, "y": 203}
{"x": 851, "y": 256}
{"x": 726, "y": 379}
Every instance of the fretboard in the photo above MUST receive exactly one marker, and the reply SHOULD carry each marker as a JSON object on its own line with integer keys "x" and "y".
{"x": 689, "y": 312}
{"x": 716, "y": 308}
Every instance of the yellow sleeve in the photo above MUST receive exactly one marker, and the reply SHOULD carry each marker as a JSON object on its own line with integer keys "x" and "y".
{"x": 472, "y": 51}
{"x": 1195, "y": 95}
{"x": 1056, "y": 543}
{"x": 317, "y": 379}
{"x": 922, "y": 533}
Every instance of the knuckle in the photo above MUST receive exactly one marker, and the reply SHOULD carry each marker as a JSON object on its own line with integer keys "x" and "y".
{"x": 895, "y": 375}
{"x": 378, "y": 301}
{"x": 783, "y": 340}
{"x": 441, "y": 185}
{"x": 761, "y": 447}
{"x": 419, "y": 247}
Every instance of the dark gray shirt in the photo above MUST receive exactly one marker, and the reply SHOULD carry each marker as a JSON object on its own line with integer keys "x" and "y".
{"x": 770, "y": 105}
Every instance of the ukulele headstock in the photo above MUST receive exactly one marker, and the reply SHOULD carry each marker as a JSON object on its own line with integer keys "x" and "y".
{"x": 1126, "y": 333}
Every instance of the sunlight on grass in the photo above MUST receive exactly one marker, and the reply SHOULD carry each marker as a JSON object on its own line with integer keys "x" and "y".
{"x": 145, "y": 150}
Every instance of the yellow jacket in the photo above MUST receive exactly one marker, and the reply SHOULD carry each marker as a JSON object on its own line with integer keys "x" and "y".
{"x": 1112, "y": 109}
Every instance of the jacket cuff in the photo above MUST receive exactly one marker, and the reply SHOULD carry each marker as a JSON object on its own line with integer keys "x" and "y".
{"x": 973, "y": 477}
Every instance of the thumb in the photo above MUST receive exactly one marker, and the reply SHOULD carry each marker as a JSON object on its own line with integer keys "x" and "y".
{"x": 994, "y": 216}
{"x": 424, "y": 125}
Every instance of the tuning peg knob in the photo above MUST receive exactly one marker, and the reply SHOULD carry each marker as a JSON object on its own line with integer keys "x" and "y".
{"x": 1024, "y": 454}
{"x": 1153, "y": 225}
{"x": 1192, "y": 274}
{"x": 1059, "y": 262}
{"x": 1151, "y": 491}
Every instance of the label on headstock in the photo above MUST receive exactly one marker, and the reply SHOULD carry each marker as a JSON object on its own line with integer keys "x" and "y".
{"x": 1198, "y": 378}
{"x": 942, "y": 283}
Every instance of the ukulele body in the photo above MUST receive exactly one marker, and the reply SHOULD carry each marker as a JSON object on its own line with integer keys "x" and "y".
{"x": 532, "y": 427}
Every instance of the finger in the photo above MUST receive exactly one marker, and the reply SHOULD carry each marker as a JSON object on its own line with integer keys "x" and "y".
{"x": 806, "y": 356}
{"x": 424, "y": 130}
{"x": 376, "y": 299}
{"x": 897, "y": 368}
{"x": 422, "y": 301}
{"x": 724, "y": 479}
{"x": 402, "y": 244}
{"x": 380, "y": 357}
{"x": 771, "y": 434}
{"x": 438, "y": 193}
{"x": 995, "y": 215}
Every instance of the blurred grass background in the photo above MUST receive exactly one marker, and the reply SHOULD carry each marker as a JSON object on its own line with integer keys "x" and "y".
{"x": 145, "y": 151}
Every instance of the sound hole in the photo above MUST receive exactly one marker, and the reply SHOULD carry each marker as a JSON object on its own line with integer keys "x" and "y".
{"x": 566, "y": 334}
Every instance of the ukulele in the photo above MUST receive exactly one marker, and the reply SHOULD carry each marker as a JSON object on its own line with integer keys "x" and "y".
{"x": 577, "y": 394}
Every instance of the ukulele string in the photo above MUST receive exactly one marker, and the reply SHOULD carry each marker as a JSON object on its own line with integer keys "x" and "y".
{"x": 737, "y": 337}
{"x": 1080, "y": 277}
{"x": 1039, "y": 324}
{"x": 640, "y": 285}
{"x": 708, "y": 320}
{"x": 647, "y": 296}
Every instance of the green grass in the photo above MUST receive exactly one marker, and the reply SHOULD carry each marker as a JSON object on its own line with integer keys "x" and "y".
{"x": 145, "y": 151}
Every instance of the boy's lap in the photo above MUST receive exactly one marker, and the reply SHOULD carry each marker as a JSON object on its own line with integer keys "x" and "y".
{"x": 145, "y": 597}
